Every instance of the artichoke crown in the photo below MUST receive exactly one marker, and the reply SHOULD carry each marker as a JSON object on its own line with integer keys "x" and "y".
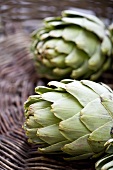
{"x": 75, "y": 45}
{"x": 73, "y": 117}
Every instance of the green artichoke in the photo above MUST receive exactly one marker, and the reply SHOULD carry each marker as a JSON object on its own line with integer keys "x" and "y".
{"x": 73, "y": 117}
{"x": 74, "y": 45}
{"x": 106, "y": 163}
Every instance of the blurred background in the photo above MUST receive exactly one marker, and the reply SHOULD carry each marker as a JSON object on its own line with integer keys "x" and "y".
{"x": 28, "y": 14}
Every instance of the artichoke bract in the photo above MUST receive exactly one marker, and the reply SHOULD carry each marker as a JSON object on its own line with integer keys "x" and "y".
{"x": 73, "y": 45}
{"x": 72, "y": 117}
{"x": 106, "y": 163}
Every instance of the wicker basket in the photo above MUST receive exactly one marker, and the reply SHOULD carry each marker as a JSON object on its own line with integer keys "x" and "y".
{"x": 18, "y": 79}
{"x": 28, "y": 14}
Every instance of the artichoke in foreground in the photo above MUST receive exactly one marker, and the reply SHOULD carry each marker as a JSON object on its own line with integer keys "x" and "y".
{"x": 73, "y": 117}
{"x": 106, "y": 163}
{"x": 73, "y": 45}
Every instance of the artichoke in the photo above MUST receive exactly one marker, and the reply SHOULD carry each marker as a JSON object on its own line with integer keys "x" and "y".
{"x": 72, "y": 117}
{"x": 74, "y": 45}
{"x": 106, "y": 163}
